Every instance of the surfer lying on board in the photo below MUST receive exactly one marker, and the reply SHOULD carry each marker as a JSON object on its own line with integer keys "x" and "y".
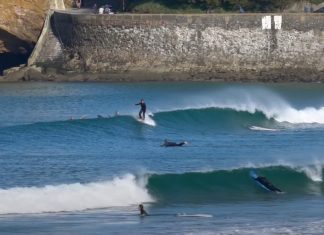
{"x": 266, "y": 183}
{"x": 172, "y": 144}
{"x": 141, "y": 113}
{"x": 141, "y": 209}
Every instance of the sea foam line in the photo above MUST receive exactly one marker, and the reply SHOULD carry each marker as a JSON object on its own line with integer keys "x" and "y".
{"x": 121, "y": 191}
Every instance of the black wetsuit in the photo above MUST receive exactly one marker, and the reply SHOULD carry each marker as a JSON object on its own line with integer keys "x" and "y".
{"x": 142, "y": 211}
{"x": 173, "y": 144}
{"x": 143, "y": 110}
{"x": 264, "y": 181}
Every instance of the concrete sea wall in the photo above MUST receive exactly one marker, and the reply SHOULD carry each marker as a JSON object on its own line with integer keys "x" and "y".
{"x": 265, "y": 47}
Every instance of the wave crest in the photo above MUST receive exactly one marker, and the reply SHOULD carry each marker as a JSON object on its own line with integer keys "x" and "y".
{"x": 121, "y": 191}
{"x": 253, "y": 101}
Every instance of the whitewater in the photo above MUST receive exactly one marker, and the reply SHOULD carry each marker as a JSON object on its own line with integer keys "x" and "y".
{"x": 75, "y": 159}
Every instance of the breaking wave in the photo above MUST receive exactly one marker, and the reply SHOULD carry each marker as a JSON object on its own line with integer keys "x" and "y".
{"x": 189, "y": 187}
{"x": 121, "y": 191}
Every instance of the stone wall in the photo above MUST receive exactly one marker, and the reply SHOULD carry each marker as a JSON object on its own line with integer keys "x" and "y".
{"x": 198, "y": 47}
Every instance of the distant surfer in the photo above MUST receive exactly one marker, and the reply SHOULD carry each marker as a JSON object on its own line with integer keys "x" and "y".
{"x": 142, "y": 210}
{"x": 264, "y": 182}
{"x": 141, "y": 113}
{"x": 172, "y": 144}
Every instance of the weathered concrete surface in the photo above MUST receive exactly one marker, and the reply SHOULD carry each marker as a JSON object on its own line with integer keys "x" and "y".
{"x": 182, "y": 47}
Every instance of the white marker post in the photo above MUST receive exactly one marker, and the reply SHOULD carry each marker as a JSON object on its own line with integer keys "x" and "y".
{"x": 266, "y": 22}
{"x": 277, "y": 22}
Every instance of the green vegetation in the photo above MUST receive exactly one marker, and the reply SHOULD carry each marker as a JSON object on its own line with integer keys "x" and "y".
{"x": 160, "y": 7}
{"x": 198, "y": 6}
{"x": 316, "y": 1}
{"x": 172, "y": 6}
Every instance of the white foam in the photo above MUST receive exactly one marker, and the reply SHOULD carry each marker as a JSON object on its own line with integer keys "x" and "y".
{"x": 306, "y": 115}
{"x": 259, "y": 128}
{"x": 195, "y": 215}
{"x": 314, "y": 172}
{"x": 121, "y": 191}
{"x": 148, "y": 121}
{"x": 278, "y": 162}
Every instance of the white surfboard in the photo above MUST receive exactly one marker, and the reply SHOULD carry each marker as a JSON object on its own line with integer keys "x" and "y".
{"x": 148, "y": 121}
{"x": 259, "y": 128}
{"x": 194, "y": 215}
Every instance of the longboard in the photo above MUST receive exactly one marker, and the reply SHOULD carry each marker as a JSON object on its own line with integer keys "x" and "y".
{"x": 259, "y": 128}
{"x": 148, "y": 121}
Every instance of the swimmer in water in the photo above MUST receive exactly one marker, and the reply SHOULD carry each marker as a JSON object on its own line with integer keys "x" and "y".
{"x": 142, "y": 210}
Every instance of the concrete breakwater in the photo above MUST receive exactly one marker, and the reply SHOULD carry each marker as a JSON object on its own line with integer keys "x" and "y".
{"x": 264, "y": 47}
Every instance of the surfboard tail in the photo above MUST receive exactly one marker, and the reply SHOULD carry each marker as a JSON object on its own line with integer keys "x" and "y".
{"x": 148, "y": 121}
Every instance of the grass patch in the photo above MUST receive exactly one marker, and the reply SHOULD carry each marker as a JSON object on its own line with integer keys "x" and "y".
{"x": 316, "y": 1}
{"x": 153, "y": 7}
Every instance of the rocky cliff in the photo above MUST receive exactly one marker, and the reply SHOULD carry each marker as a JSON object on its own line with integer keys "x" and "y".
{"x": 20, "y": 24}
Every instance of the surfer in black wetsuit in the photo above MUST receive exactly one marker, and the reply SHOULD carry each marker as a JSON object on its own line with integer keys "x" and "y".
{"x": 141, "y": 113}
{"x": 142, "y": 210}
{"x": 172, "y": 144}
{"x": 264, "y": 181}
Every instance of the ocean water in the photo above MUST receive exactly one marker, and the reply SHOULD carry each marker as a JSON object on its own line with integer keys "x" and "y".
{"x": 66, "y": 170}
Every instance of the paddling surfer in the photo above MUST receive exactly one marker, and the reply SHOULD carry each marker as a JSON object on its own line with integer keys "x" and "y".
{"x": 172, "y": 144}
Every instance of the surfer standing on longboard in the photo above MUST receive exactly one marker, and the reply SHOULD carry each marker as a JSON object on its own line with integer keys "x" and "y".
{"x": 141, "y": 113}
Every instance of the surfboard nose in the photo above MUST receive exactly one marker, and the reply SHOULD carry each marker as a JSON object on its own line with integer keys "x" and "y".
{"x": 253, "y": 174}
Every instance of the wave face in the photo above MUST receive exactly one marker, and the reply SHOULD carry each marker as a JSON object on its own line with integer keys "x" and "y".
{"x": 253, "y": 101}
{"x": 253, "y": 106}
{"x": 188, "y": 120}
{"x": 236, "y": 185}
{"x": 192, "y": 187}
{"x": 214, "y": 118}
{"x": 121, "y": 191}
